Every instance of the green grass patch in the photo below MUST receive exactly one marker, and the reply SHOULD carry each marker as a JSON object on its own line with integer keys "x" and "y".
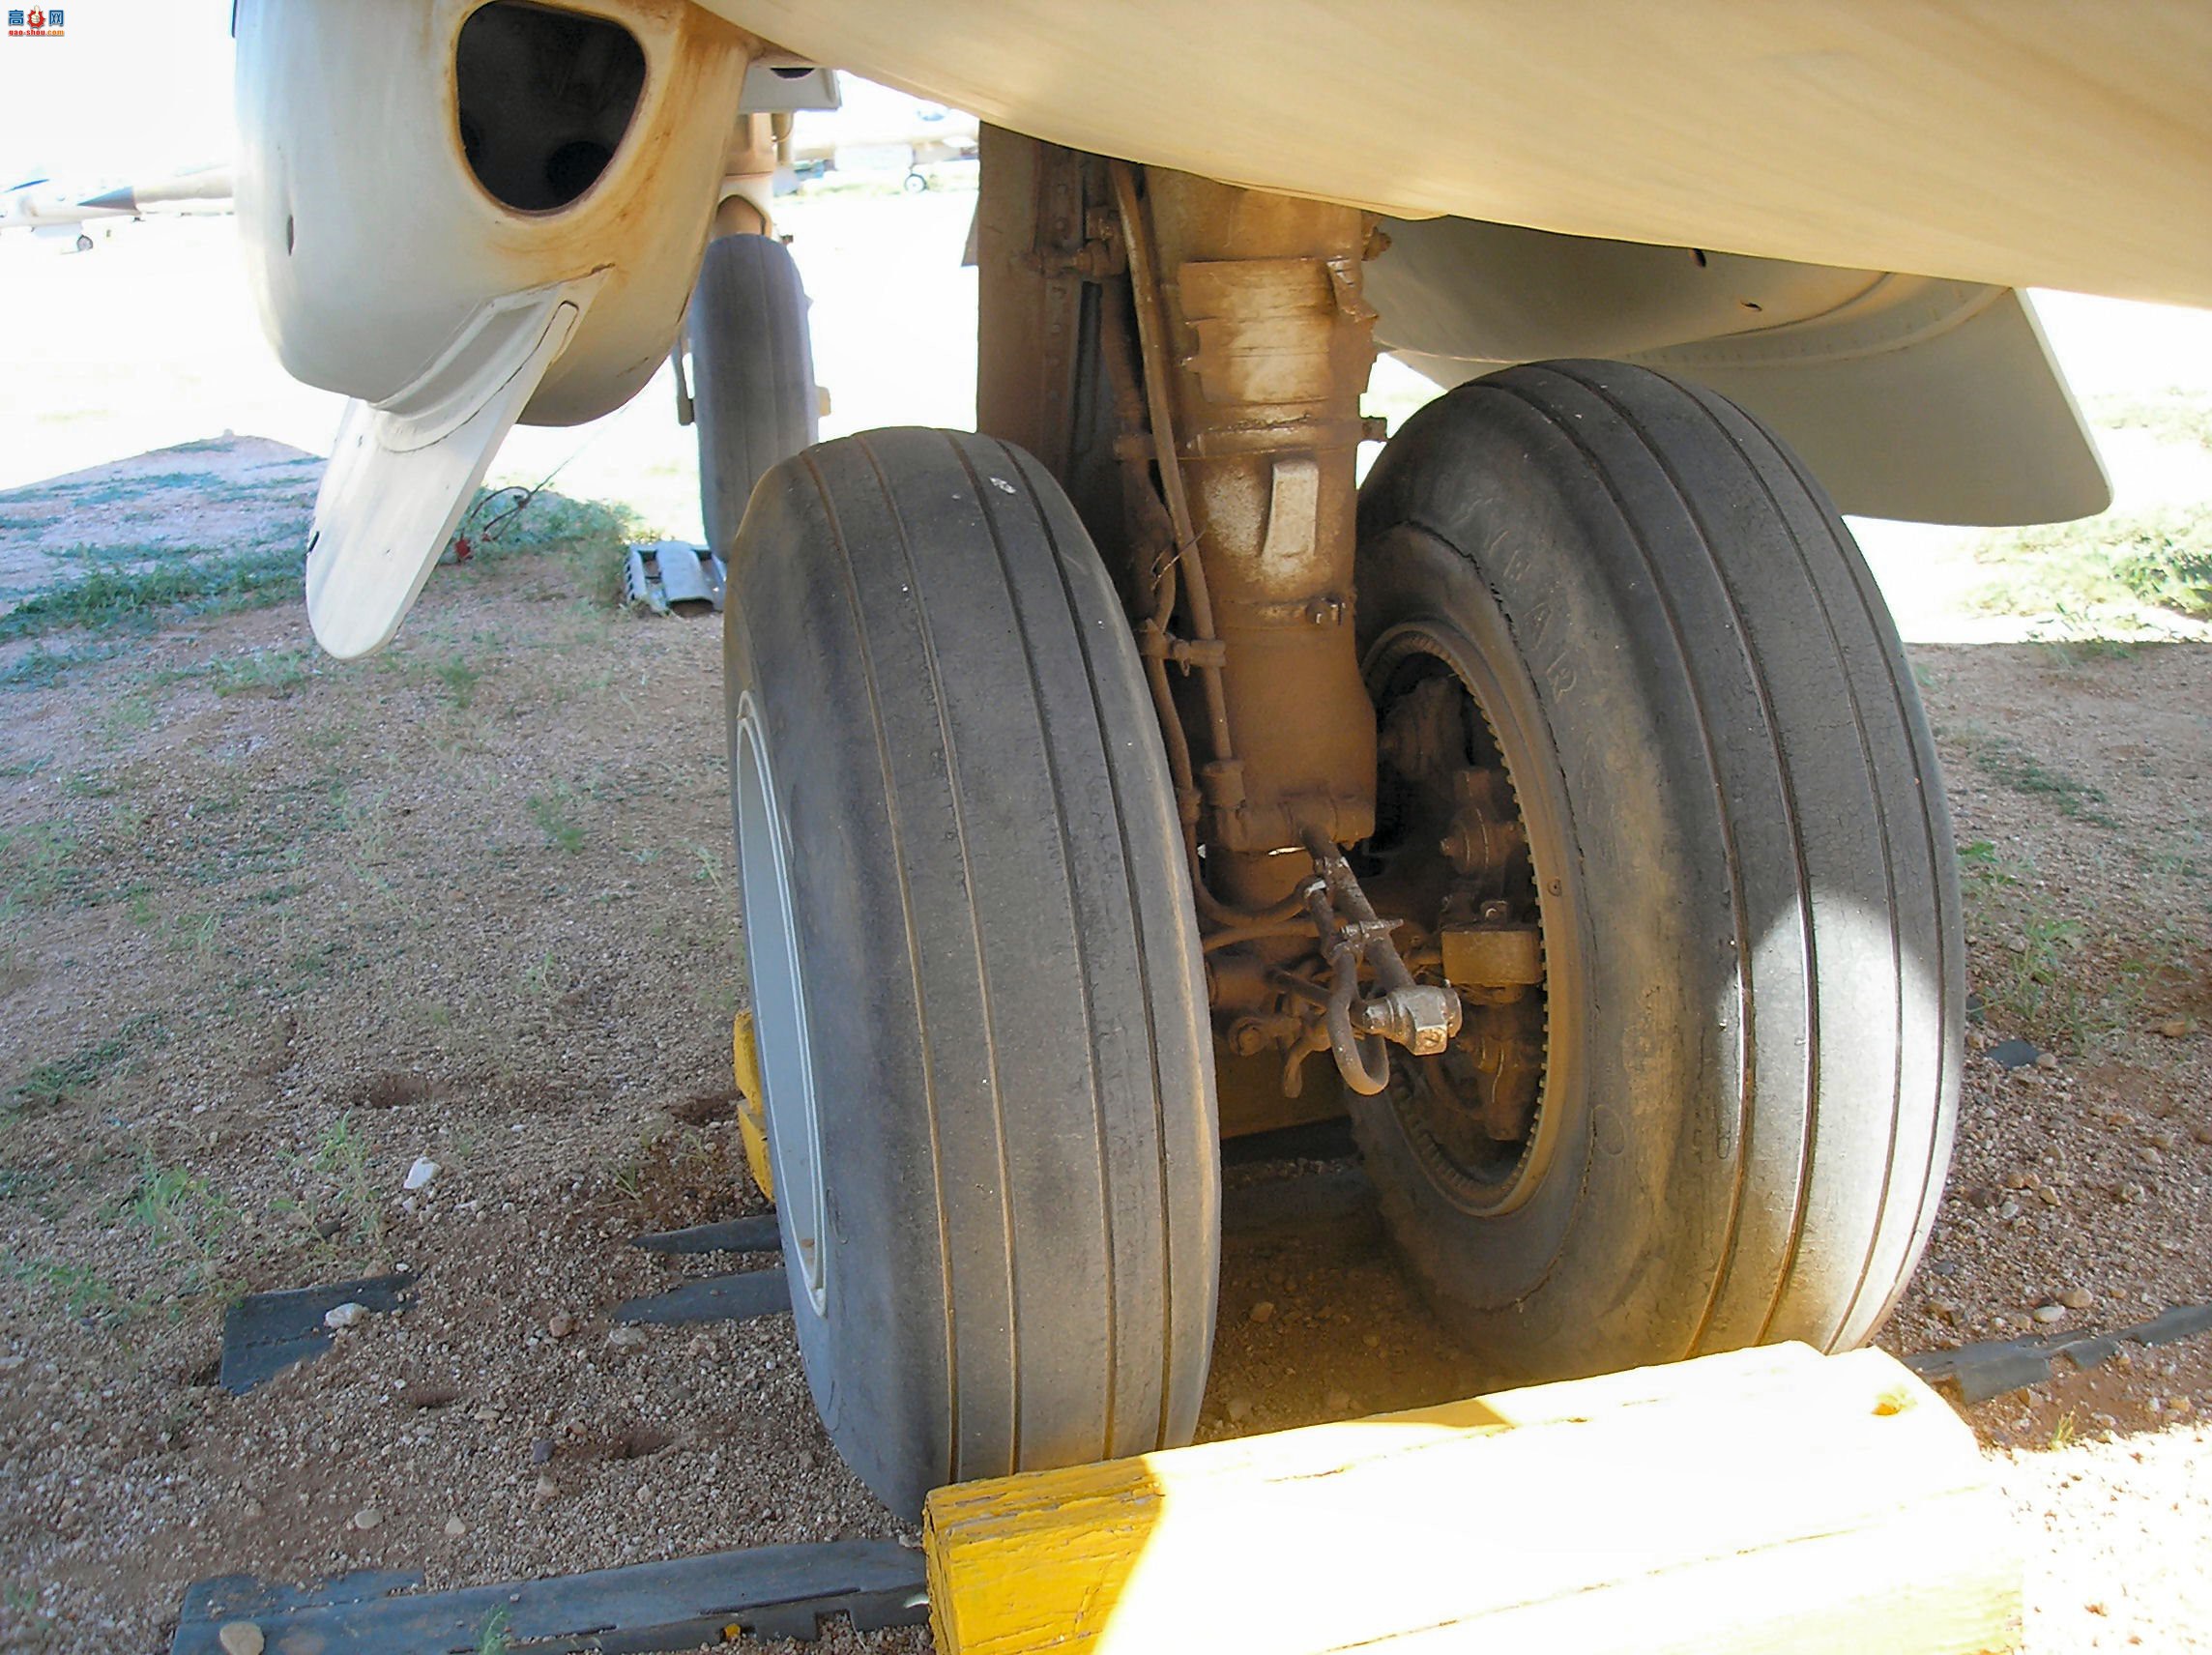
{"x": 262, "y": 671}
{"x": 62, "y": 1079}
{"x": 553, "y": 814}
{"x": 196, "y": 581}
{"x": 2006, "y": 762}
{"x": 35, "y": 866}
{"x": 42, "y": 667}
{"x": 590, "y": 537}
{"x": 2115, "y": 565}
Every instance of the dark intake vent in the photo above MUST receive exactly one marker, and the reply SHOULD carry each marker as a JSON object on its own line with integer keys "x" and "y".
{"x": 546, "y": 97}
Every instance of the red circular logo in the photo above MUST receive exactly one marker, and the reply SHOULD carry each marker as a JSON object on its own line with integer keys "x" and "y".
{"x": 36, "y": 18}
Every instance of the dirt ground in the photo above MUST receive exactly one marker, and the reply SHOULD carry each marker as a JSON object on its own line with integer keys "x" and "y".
{"x": 272, "y": 929}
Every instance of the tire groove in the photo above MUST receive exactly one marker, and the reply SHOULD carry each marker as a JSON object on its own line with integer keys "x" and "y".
{"x": 989, "y": 1032}
{"x": 1881, "y": 816}
{"x": 913, "y": 945}
{"x": 1794, "y": 810}
{"x": 1075, "y": 912}
{"x": 1634, "y": 532}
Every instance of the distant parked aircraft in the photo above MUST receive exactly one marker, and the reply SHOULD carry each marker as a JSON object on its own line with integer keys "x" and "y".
{"x": 56, "y": 211}
{"x": 49, "y": 212}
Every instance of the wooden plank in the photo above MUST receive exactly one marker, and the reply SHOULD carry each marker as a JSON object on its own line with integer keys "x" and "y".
{"x": 1764, "y": 1500}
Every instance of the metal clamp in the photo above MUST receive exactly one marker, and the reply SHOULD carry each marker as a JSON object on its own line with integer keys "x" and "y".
{"x": 1360, "y": 1030}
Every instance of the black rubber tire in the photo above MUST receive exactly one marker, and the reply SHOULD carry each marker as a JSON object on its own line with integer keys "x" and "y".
{"x": 1744, "y": 860}
{"x": 994, "y": 943}
{"x": 752, "y": 374}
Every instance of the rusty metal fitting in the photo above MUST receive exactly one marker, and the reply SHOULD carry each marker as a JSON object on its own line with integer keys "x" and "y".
{"x": 1419, "y": 1017}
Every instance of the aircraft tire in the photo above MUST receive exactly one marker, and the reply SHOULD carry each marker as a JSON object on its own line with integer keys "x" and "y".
{"x": 1738, "y": 858}
{"x": 974, "y": 969}
{"x": 752, "y": 370}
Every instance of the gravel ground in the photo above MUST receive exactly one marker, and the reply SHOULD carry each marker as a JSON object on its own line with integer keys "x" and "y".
{"x": 275, "y": 928}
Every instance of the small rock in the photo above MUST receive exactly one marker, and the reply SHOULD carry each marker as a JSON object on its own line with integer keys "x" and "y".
{"x": 2045, "y": 1061}
{"x": 2181, "y": 1405}
{"x": 368, "y": 1517}
{"x": 1338, "y": 1402}
{"x": 2048, "y": 1195}
{"x": 346, "y": 1315}
{"x": 455, "y": 1529}
{"x": 542, "y": 1451}
{"x": 2009, "y": 1210}
{"x": 2151, "y": 1154}
{"x": 2174, "y": 1027}
{"x": 626, "y": 1337}
{"x": 2048, "y": 1313}
{"x": 2167, "y": 1141}
{"x": 420, "y": 1175}
{"x": 2202, "y": 1132}
{"x": 546, "y": 1489}
{"x": 2131, "y": 1193}
{"x": 1264, "y": 1311}
{"x": 1944, "y": 1310}
{"x": 560, "y": 1324}
{"x": 1240, "y": 1410}
{"x": 2076, "y": 1299}
{"x": 251, "y": 1511}
{"x": 240, "y": 1638}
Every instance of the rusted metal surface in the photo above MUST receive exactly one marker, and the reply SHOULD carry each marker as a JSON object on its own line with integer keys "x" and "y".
{"x": 1263, "y": 352}
{"x": 1453, "y": 859}
{"x": 1357, "y": 1029}
{"x": 1187, "y": 358}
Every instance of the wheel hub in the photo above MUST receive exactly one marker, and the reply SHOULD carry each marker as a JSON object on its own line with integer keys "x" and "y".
{"x": 1451, "y": 852}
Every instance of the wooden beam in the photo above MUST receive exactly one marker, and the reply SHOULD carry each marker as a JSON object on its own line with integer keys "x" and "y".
{"x": 1770, "y": 1499}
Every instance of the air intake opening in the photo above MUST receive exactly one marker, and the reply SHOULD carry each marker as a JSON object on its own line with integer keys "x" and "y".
{"x": 546, "y": 97}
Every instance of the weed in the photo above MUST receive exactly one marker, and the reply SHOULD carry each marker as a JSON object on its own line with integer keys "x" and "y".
{"x": 460, "y": 680}
{"x": 191, "y": 580}
{"x": 84, "y": 1292}
{"x": 2107, "y": 566}
{"x": 263, "y": 672}
{"x": 125, "y": 717}
{"x": 42, "y": 668}
{"x": 196, "y": 933}
{"x": 22, "y": 1183}
{"x": 174, "y": 1205}
{"x": 2063, "y": 1433}
{"x": 2004, "y": 761}
{"x": 493, "y": 1640}
{"x": 710, "y": 866}
{"x": 63, "y": 1078}
{"x": 538, "y": 975}
{"x": 36, "y": 859}
{"x": 551, "y": 812}
{"x": 343, "y": 1151}
{"x": 23, "y": 769}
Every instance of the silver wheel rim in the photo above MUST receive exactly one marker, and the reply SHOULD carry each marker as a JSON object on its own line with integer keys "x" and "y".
{"x": 779, "y": 1007}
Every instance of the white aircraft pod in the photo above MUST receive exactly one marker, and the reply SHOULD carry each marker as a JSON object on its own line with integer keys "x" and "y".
{"x": 402, "y": 472}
